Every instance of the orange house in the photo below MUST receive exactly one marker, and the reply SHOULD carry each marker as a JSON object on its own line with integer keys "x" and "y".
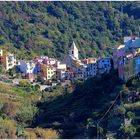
{"x": 49, "y": 71}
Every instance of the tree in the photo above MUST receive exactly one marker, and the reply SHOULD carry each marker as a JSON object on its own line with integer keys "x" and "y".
{"x": 120, "y": 110}
{"x": 130, "y": 115}
{"x": 127, "y": 132}
{"x": 26, "y": 113}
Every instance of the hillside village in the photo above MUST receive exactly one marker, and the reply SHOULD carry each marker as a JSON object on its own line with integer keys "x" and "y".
{"x": 89, "y": 101}
{"x": 43, "y": 68}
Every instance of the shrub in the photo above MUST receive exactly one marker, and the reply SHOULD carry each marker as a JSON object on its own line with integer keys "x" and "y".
{"x": 23, "y": 83}
{"x": 26, "y": 113}
{"x": 46, "y": 133}
{"x": 30, "y": 134}
{"x": 9, "y": 108}
{"x": 120, "y": 110}
{"x": 7, "y": 129}
{"x": 130, "y": 115}
{"x": 127, "y": 132}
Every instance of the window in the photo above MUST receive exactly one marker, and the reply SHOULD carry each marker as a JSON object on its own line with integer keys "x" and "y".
{"x": 72, "y": 52}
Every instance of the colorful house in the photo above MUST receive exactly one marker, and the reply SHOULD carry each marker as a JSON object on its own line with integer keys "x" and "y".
{"x": 49, "y": 72}
{"x": 7, "y": 59}
{"x": 118, "y": 54}
{"x": 132, "y": 42}
{"x": 27, "y": 67}
{"x": 60, "y": 74}
{"x": 91, "y": 70}
{"x": 60, "y": 70}
{"x": 89, "y": 60}
{"x": 104, "y": 65}
{"x": 80, "y": 72}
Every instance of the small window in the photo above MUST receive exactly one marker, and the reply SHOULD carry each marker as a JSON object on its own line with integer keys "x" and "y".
{"x": 72, "y": 52}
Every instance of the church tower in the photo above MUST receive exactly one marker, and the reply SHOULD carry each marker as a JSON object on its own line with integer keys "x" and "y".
{"x": 73, "y": 51}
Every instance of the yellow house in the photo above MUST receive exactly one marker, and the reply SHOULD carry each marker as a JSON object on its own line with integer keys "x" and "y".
{"x": 49, "y": 72}
{"x": 8, "y": 59}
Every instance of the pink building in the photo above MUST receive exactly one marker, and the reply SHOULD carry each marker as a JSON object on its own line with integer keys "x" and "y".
{"x": 118, "y": 54}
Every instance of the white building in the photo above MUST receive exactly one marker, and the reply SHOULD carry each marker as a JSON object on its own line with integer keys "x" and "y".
{"x": 61, "y": 70}
{"x": 27, "y": 67}
{"x": 61, "y": 65}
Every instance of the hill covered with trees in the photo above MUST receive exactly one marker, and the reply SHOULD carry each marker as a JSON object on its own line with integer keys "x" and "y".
{"x": 44, "y": 28}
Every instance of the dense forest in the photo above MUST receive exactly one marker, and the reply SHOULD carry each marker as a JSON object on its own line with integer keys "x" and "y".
{"x": 44, "y": 28}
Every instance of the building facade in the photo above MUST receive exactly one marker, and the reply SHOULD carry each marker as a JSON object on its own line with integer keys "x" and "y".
{"x": 7, "y": 59}
{"x": 104, "y": 65}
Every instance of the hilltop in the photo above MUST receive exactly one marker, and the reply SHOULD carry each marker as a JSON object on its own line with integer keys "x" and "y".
{"x": 48, "y": 28}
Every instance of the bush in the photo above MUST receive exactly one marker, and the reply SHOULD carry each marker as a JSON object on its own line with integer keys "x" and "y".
{"x": 9, "y": 108}
{"x": 26, "y": 113}
{"x": 120, "y": 110}
{"x": 127, "y": 132}
{"x": 30, "y": 134}
{"x": 130, "y": 115}
{"x": 7, "y": 129}
{"x": 46, "y": 133}
{"x": 23, "y": 83}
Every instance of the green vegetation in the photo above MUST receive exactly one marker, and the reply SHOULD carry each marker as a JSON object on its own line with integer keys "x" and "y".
{"x": 44, "y": 28}
{"x": 130, "y": 115}
{"x": 36, "y": 28}
{"x": 127, "y": 132}
{"x": 2, "y": 69}
{"x": 70, "y": 113}
{"x": 17, "y": 111}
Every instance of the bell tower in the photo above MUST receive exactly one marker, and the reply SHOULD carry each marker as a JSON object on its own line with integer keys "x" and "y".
{"x": 73, "y": 51}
